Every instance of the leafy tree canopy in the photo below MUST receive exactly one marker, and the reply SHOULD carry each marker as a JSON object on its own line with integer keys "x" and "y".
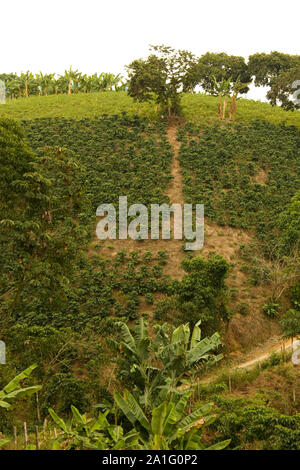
{"x": 265, "y": 67}
{"x": 162, "y": 77}
{"x": 215, "y": 68}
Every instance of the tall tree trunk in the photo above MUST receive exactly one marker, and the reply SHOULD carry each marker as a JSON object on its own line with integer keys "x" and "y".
{"x": 232, "y": 107}
{"x": 219, "y": 110}
{"x": 224, "y": 107}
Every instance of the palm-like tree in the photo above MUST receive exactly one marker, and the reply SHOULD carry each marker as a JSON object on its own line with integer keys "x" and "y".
{"x": 222, "y": 90}
{"x": 45, "y": 83}
{"x": 68, "y": 81}
{"x": 159, "y": 366}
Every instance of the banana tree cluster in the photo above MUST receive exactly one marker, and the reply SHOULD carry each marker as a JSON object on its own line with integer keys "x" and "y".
{"x": 156, "y": 367}
{"x": 167, "y": 428}
{"x": 157, "y": 410}
{"x": 71, "y": 81}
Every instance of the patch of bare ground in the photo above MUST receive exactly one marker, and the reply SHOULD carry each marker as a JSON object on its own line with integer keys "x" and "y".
{"x": 244, "y": 331}
{"x": 261, "y": 177}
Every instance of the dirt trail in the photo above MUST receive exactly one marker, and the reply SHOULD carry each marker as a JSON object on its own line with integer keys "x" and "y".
{"x": 282, "y": 346}
{"x": 175, "y": 247}
{"x": 175, "y": 189}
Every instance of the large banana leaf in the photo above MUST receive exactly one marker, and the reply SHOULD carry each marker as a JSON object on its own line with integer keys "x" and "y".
{"x": 141, "y": 331}
{"x": 158, "y": 419}
{"x": 219, "y": 445}
{"x": 200, "y": 414}
{"x": 4, "y": 404}
{"x": 14, "y": 383}
{"x": 127, "y": 336}
{"x": 12, "y": 389}
{"x": 80, "y": 419}
{"x": 181, "y": 334}
{"x": 132, "y": 409}
{"x": 58, "y": 420}
{"x": 143, "y": 348}
{"x": 206, "y": 345}
{"x": 21, "y": 391}
{"x": 196, "y": 335}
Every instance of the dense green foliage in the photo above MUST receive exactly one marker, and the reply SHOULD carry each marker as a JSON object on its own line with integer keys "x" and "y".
{"x": 29, "y": 84}
{"x": 155, "y": 407}
{"x": 200, "y": 295}
{"x": 247, "y": 425}
{"x": 84, "y": 176}
{"x": 222, "y": 167}
{"x": 278, "y": 71}
{"x": 116, "y": 152}
{"x": 42, "y": 227}
{"x": 155, "y": 367}
{"x": 162, "y": 78}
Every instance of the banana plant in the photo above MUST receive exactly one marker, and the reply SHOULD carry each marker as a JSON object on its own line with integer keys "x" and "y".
{"x": 157, "y": 367}
{"x": 169, "y": 427}
{"x": 45, "y": 83}
{"x": 13, "y": 389}
{"x": 237, "y": 87}
{"x": 95, "y": 434}
{"x": 27, "y": 84}
{"x": 222, "y": 90}
{"x": 67, "y": 83}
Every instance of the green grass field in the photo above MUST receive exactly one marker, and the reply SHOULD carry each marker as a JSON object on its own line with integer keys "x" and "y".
{"x": 195, "y": 108}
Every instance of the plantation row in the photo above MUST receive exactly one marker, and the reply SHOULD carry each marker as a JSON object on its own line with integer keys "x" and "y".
{"x": 245, "y": 175}
{"x": 120, "y": 155}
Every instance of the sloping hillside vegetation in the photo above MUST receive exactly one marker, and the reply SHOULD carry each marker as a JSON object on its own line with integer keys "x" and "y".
{"x": 69, "y": 300}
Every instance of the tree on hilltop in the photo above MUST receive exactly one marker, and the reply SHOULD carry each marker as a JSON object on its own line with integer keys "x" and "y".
{"x": 162, "y": 77}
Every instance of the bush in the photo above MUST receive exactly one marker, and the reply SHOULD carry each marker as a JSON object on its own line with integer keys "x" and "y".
{"x": 271, "y": 310}
{"x": 64, "y": 390}
{"x": 243, "y": 308}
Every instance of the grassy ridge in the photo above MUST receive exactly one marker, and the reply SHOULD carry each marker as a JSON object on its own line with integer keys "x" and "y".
{"x": 77, "y": 106}
{"x": 200, "y": 106}
{"x": 195, "y": 107}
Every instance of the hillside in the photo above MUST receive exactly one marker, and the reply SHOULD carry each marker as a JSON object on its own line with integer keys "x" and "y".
{"x": 195, "y": 108}
{"x": 253, "y": 164}
{"x": 88, "y": 149}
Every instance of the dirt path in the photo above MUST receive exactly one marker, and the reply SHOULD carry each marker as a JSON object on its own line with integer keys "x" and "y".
{"x": 175, "y": 247}
{"x": 175, "y": 189}
{"x": 281, "y": 346}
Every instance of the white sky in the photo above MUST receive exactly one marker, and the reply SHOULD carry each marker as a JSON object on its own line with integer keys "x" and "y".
{"x": 103, "y": 36}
